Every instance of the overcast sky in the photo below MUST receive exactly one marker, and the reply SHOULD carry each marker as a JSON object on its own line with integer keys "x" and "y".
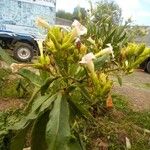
{"x": 138, "y": 10}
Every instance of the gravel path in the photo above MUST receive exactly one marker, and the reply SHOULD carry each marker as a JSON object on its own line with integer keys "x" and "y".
{"x": 136, "y": 87}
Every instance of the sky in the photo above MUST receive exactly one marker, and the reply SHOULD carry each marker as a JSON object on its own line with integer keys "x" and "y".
{"x": 138, "y": 10}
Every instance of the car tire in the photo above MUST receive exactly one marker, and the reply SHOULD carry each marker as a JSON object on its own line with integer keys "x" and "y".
{"x": 23, "y": 52}
{"x": 148, "y": 67}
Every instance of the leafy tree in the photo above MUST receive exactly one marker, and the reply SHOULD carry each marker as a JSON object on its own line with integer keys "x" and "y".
{"x": 79, "y": 13}
{"x": 109, "y": 9}
{"x": 105, "y": 26}
{"x": 64, "y": 15}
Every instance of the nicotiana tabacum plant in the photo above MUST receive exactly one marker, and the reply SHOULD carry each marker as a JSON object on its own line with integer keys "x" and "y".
{"x": 71, "y": 82}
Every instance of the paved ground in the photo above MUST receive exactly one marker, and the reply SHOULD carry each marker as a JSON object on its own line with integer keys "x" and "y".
{"x": 137, "y": 88}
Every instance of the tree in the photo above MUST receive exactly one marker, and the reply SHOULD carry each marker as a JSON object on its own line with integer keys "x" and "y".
{"x": 105, "y": 21}
{"x": 109, "y": 9}
{"x": 64, "y": 15}
{"x": 79, "y": 13}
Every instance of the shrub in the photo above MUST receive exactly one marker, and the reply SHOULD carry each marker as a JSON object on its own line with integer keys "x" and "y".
{"x": 71, "y": 82}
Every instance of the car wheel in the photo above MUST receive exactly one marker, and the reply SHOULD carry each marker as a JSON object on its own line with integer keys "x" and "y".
{"x": 23, "y": 52}
{"x": 148, "y": 67}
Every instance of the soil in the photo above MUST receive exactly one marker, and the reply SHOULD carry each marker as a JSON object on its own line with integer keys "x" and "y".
{"x": 136, "y": 90}
{"x": 11, "y": 103}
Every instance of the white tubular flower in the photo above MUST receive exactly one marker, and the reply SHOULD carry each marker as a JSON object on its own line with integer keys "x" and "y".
{"x": 108, "y": 50}
{"x": 128, "y": 144}
{"x": 81, "y": 30}
{"x": 87, "y": 60}
{"x": 42, "y": 23}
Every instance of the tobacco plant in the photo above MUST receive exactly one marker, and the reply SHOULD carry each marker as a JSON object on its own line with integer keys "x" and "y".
{"x": 72, "y": 81}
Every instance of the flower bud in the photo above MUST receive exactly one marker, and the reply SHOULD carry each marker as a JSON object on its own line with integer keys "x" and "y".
{"x": 108, "y": 50}
{"x": 83, "y": 49}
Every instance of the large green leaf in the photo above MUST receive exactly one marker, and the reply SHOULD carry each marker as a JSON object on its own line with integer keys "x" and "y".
{"x": 35, "y": 111}
{"x": 43, "y": 74}
{"x": 47, "y": 103}
{"x": 24, "y": 122}
{"x": 58, "y": 129}
{"x": 39, "y": 101}
{"x": 32, "y": 98}
{"x": 18, "y": 141}
{"x": 5, "y": 57}
{"x": 31, "y": 76}
{"x": 41, "y": 88}
{"x": 38, "y": 133}
{"x": 101, "y": 61}
{"x": 47, "y": 83}
{"x": 85, "y": 93}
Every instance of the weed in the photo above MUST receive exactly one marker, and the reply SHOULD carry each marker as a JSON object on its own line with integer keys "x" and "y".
{"x": 147, "y": 85}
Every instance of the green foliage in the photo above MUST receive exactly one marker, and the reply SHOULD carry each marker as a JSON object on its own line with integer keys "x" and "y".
{"x": 109, "y": 9}
{"x": 79, "y": 13}
{"x": 147, "y": 85}
{"x": 7, "y": 118}
{"x": 64, "y": 15}
{"x": 105, "y": 25}
{"x": 133, "y": 55}
{"x": 14, "y": 88}
{"x": 69, "y": 85}
{"x": 8, "y": 59}
{"x": 39, "y": 129}
{"x": 112, "y": 129}
{"x": 18, "y": 141}
{"x": 56, "y": 136}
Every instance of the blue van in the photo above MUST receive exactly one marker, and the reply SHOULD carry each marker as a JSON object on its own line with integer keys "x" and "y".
{"x": 18, "y": 31}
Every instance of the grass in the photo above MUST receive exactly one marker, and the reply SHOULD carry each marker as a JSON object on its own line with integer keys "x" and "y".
{"x": 142, "y": 119}
{"x": 116, "y": 125}
{"x": 133, "y": 123}
{"x": 147, "y": 85}
{"x": 110, "y": 130}
{"x": 7, "y": 85}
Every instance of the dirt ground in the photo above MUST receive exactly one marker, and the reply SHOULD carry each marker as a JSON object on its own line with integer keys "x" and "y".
{"x": 136, "y": 87}
{"x": 11, "y": 103}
